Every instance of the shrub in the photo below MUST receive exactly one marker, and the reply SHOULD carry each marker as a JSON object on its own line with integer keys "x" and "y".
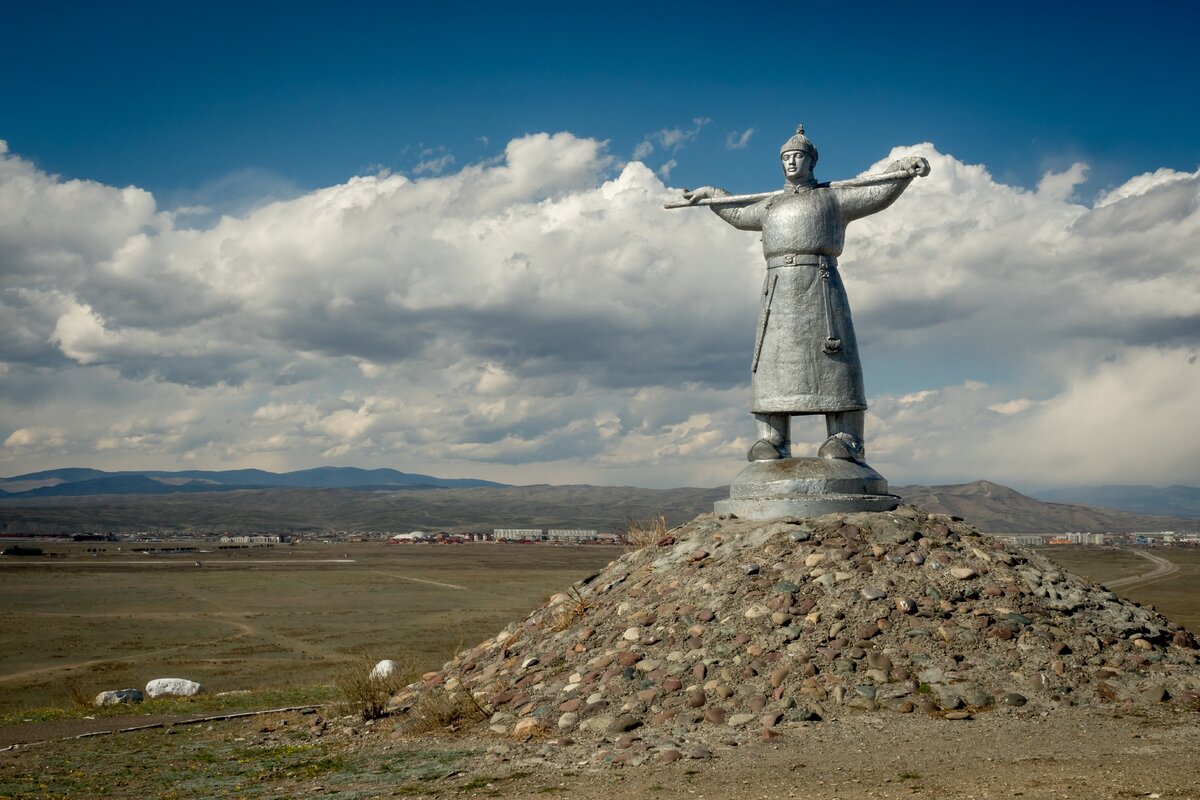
{"x": 367, "y": 695}
{"x": 643, "y": 533}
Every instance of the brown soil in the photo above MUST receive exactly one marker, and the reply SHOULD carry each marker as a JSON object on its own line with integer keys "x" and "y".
{"x": 1071, "y": 753}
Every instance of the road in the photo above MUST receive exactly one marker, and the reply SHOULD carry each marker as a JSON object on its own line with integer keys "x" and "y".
{"x": 1162, "y": 568}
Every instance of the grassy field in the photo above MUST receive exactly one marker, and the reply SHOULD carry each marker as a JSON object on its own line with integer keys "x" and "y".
{"x": 280, "y": 616}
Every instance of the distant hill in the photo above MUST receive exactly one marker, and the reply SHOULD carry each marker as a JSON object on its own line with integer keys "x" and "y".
{"x": 606, "y": 508}
{"x": 77, "y": 482}
{"x": 1172, "y": 501}
{"x": 999, "y": 509}
{"x": 989, "y": 506}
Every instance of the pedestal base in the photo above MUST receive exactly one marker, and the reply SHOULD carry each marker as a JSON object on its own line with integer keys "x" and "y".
{"x": 805, "y": 487}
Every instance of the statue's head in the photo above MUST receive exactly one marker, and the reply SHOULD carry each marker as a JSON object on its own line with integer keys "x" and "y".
{"x": 798, "y": 156}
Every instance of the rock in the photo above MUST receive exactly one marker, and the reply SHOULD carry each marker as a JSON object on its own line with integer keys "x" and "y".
{"x": 568, "y": 721}
{"x": 526, "y": 728}
{"x": 623, "y": 723}
{"x": 384, "y": 669}
{"x": 670, "y": 755}
{"x": 1013, "y": 699}
{"x": 877, "y": 660}
{"x": 1156, "y": 694}
{"x": 172, "y": 687}
{"x": 963, "y": 573}
{"x": 872, "y": 593}
{"x": 738, "y": 720}
{"x": 118, "y": 697}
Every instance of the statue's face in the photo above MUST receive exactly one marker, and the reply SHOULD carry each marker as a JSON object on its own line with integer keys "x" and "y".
{"x": 797, "y": 165}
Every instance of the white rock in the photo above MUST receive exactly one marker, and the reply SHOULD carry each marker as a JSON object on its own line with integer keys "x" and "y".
{"x": 384, "y": 669}
{"x": 173, "y": 687}
{"x": 118, "y": 697}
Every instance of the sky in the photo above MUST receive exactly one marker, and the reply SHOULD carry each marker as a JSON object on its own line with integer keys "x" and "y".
{"x": 432, "y": 238}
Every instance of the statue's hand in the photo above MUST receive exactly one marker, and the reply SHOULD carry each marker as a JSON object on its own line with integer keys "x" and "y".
{"x": 694, "y": 196}
{"x": 917, "y": 166}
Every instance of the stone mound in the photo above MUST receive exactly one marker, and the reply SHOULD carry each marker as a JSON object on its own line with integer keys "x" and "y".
{"x": 726, "y": 630}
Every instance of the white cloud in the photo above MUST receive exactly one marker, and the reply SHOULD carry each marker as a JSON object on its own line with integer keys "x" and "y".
{"x": 670, "y": 139}
{"x": 542, "y": 318}
{"x": 737, "y": 140}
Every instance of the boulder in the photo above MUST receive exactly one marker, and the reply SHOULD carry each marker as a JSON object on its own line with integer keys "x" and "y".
{"x": 118, "y": 697}
{"x": 173, "y": 687}
{"x": 384, "y": 669}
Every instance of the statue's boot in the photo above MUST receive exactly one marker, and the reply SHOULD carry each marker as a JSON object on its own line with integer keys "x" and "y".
{"x": 765, "y": 451}
{"x": 773, "y": 437}
{"x": 845, "y": 446}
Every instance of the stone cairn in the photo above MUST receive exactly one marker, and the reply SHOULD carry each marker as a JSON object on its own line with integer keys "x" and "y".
{"x": 726, "y": 630}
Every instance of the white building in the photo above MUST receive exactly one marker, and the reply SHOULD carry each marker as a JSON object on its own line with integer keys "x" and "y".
{"x": 516, "y": 534}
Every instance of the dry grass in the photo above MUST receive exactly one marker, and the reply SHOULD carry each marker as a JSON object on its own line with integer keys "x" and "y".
{"x": 366, "y": 695}
{"x": 644, "y": 533}
{"x": 77, "y": 696}
{"x": 440, "y": 710}
{"x": 569, "y": 611}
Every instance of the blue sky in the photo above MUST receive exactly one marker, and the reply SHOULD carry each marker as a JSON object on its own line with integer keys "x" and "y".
{"x": 287, "y": 235}
{"x": 174, "y": 96}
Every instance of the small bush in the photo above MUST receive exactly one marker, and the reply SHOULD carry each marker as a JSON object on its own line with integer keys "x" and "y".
{"x": 367, "y": 695}
{"x": 644, "y": 533}
{"x": 77, "y": 696}
{"x": 437, "y": 709}
{"x": 570, "y": 610}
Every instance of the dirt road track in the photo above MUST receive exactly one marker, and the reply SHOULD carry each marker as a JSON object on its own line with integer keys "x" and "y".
{"x": 1162, "y": 568}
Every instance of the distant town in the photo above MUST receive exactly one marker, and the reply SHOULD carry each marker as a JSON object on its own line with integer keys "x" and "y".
{"x": 167, "y": 540}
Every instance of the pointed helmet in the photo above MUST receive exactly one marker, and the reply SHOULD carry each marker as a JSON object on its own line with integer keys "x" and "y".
{"x": 800, "y": 142}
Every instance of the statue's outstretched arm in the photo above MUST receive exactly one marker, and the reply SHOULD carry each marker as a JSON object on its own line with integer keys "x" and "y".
{"x": 862, "y": 201}
{"x": 746, "y": 218}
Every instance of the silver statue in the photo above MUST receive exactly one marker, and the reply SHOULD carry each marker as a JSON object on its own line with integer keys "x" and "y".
{"x": 805, "y": 355}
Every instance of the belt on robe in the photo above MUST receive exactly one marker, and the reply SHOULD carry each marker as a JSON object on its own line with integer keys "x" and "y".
{"x": 801, "y": 260}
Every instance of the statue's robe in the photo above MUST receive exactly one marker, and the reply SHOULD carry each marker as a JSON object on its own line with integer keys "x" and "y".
{"x": 806, "y": 356}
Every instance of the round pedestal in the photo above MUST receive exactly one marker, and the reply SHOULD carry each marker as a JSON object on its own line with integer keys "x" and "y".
{"x": 805, "y": 487}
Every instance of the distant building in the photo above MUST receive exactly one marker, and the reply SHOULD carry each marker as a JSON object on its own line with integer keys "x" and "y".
{"x": 571, "y": 535}
{"x": 258, "y": 538}
{"x": 517, "y": 534}
{"x": 1026, "y": 539}
{"x": 411, "y": 538}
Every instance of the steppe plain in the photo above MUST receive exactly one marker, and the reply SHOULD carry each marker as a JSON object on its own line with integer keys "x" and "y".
{"x": 282, "y": 621}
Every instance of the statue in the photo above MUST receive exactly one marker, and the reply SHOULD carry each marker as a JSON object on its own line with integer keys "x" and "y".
{"x": 805, "y": 354}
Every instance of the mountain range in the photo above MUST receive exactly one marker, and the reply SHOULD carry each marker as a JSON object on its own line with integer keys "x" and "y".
{"x": 77, "y": 482}
{"x": 349, "y": 499}
{"x": 1173, "y": 501}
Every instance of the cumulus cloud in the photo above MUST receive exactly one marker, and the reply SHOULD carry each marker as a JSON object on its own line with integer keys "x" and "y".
{"x": 540, "y": 317}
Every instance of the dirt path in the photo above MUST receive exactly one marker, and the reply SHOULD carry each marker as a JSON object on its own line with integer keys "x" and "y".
{"x": 420, "y": 580}
{"x": 1162, "y": 568}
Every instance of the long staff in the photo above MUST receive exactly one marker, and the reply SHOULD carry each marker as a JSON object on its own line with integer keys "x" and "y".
{"x": 746, "y": 199}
